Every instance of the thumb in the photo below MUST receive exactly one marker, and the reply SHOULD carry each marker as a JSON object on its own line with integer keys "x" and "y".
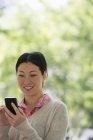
{"x": 21, "y": 111}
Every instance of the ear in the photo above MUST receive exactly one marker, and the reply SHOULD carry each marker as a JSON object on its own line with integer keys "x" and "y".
{"x": 45, "y": 75}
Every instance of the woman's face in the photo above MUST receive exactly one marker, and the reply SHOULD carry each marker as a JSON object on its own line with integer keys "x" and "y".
{"x": 30, "y": 79}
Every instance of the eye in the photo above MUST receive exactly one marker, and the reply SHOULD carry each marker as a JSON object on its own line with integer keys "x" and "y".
{"x": 33, "y": 75}
{"x": 21, "y": 75}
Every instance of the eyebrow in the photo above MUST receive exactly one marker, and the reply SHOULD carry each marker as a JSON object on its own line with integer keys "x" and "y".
{"x": 29, "y": 71}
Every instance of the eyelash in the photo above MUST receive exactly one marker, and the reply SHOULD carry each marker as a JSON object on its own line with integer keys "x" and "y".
{"x": 21, "y": 75}
{"x": 32, "y": 75}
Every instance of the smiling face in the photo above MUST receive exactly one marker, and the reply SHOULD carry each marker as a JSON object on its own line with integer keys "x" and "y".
{"x": 30, "y": 79}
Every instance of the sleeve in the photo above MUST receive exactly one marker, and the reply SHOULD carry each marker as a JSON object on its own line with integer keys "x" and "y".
{"x": 27, "y": 131}
{"x": 58, "y": 124}
{"x": 4, "y": 132}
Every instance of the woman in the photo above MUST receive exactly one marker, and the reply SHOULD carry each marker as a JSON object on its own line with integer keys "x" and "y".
{"x": 38, "y": 116}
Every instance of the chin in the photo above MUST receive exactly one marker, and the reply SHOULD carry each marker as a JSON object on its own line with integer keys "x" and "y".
{"x": 29, "y": 93}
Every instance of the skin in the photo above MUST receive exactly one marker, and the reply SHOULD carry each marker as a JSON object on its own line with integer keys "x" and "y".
{"x": 2, "y": 117}
{"x": 7, "y": 118}
{"x": 30, "y": 81}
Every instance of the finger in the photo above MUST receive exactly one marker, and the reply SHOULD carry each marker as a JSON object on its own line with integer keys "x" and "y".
{"x": 9, "y": 119}
{"x": 1, "y": 109}
{"x": 9, "y": 113}
{"x": 15, "y": 108}
{"x": 21, "y": 111}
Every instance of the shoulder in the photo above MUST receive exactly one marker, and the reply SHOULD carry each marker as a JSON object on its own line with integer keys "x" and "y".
{"x": 58, "y": 104}
{"x": 58, "y": 114}
{"x": 58, "y": 108}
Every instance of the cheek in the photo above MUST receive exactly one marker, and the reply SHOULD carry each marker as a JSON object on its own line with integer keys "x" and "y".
{"x": 19, "y": 81}
{"x": 40, "y": 82}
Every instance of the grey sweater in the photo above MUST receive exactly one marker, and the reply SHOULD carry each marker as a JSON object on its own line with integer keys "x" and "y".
{"x": 48, "y": 123}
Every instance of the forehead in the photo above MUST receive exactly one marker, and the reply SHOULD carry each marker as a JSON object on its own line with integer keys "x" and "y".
{"x": 28, "y": 67}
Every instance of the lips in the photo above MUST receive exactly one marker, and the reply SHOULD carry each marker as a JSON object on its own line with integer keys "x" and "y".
{"x": 28, "y": 87}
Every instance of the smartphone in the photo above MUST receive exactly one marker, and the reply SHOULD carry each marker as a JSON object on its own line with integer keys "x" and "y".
{"x": 8, "y": 101}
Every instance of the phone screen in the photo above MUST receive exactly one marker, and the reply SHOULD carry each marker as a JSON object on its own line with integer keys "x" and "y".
{"x": 8, "y": 101}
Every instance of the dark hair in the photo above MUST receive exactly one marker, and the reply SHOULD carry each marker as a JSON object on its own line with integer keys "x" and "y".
{"x": 36, "y": 58}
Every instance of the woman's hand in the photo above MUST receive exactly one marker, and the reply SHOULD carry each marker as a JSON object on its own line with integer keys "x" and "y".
{"x": 15, "y": 120}
{"x": 3, "y": 119}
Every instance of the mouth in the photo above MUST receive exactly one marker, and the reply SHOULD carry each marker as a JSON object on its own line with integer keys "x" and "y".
{"x": 28, "y": 88}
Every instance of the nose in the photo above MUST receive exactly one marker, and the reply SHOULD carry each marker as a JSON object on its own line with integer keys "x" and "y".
{"x": 27, "y": 80}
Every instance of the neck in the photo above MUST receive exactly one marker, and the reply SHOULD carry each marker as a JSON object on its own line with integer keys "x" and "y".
{"x": 30, "y": 101}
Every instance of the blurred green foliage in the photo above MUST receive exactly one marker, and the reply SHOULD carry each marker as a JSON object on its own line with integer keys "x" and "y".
{"x": 64, "y": 34}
